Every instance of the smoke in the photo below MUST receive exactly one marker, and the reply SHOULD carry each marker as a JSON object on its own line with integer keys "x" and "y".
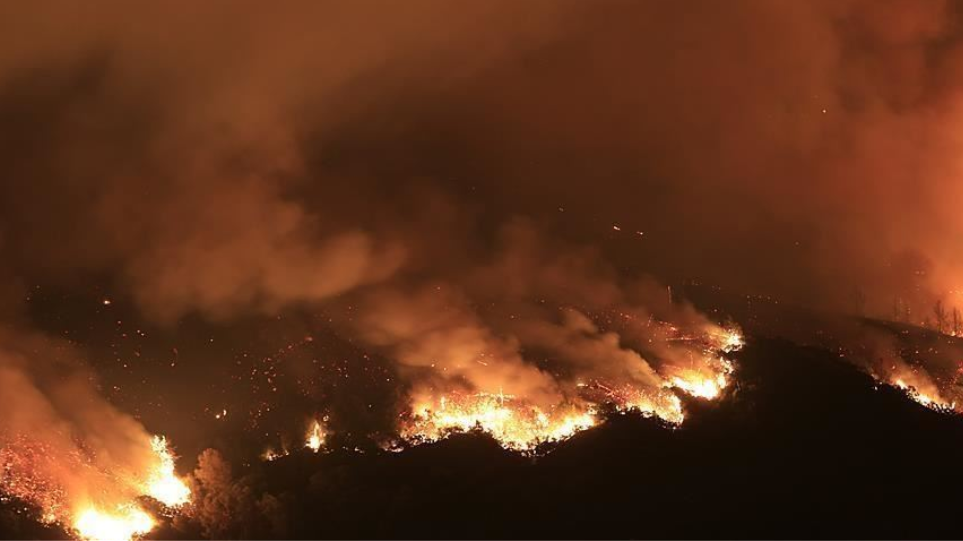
{"x": 797, "y": 150}
{"x": 62, "y": 446}
{"x": 536, "y": 319}
{"x": 434, "y": 335}
{"x": 476, "y": 192}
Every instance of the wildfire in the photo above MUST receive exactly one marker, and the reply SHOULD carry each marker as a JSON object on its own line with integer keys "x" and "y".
{"x": 271, "y": 455}
{"x": 93, "y": 503}
{"x": 522, "y": 426}
{"x": 931, "y": 399}
{"x": 129, "y": 521}
{"x": 514, "y": 423}
{"x": 730, "y": 340}
{"x": 699, "y": 384}
{"x": 712, "y": 378}
{"x": 701, "y": 387}
{"x": 660, "y": 403}
{"x": 125, "y": 523}
{"x": 163, "y": 484}
{"x": 315, "y": 438}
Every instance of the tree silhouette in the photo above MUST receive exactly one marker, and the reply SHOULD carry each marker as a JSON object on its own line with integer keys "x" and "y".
{"x": 940, "y": 312}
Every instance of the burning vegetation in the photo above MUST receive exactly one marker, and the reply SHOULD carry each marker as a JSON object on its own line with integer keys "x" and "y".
{"x": 69, "y": 455}
{"x": 478, "y": 245}
{"x": 520, "y": 425}
{"x": 95, "y": 502}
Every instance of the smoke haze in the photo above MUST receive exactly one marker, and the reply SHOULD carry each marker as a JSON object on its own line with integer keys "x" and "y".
{"x": 493, "y": 196}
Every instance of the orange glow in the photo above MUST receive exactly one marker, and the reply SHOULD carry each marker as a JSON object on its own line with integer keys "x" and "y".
{"x": 518, "y": 424}
{"x": 163, "y": 484}
{"x": 514, "y": 423}
{"x": 926, "y": 395}
{"x": 93, "y": 503}
{"x": 125, "y": 523}
{"x": 315, "y": 437}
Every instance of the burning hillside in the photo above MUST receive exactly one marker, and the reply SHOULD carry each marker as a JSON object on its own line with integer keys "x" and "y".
{"x": 84, "y": 493}
{"x": 69, "y": 454}
{"x": 518, "y": 424}
{"x": 364, "y": 232}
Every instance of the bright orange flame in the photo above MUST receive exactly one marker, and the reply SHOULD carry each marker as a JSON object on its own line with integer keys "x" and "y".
{"x": 163, "y": 484}
{"x": 125, "y": 523}
{"x": 730, "y": 340}
{"x": 521, "y": 426}
{"x": 701, "y": 385}
{"x": 315, "y": 437}
{"x": 660, "y": 403}
{"x": 514, "y": 423}
{"x": 931, "y": 399}
{"x": 94, "y": 503}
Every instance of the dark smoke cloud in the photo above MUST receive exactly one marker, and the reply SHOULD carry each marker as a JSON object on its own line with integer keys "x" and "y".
{"x": 432, "y": 172}
{"x": 803, "y": 150}
{"x": 63, "y": 446}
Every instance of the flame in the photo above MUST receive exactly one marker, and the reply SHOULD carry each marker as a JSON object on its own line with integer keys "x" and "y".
{"x": 514, "y": 423}
{"x": 700, "y": 384}
{"x": 930, "y": 399}
{"x": 127, "y": 522}
{"x": 729, "y": 340}
{"x": 91, "y": 501}
{"x": 518, "y": 425}
{"x": 315, "y": 438}
{"x": 270, "y": 455}
{"x": 659, "y": 403}
{"x": 163, "y": 484}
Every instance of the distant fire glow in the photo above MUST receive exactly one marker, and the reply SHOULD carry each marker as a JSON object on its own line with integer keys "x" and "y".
{"x": 271, "y": 455}
{"x": 315, "y": 437}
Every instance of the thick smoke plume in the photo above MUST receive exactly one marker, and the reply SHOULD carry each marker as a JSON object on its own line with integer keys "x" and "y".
{"x": 63, "y": 447}
{"x": 474, "y": 192}
{"x": 800, "y": 150}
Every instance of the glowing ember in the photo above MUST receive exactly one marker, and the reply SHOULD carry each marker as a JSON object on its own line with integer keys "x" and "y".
{"x": 315, "y": 437}
{"x": 125, "y": 523}
{"x": 513, "y": 423}
{"x": 163, "y": 484}
{"x": 660, "y": 403}
{"x": 271, "y": 455}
